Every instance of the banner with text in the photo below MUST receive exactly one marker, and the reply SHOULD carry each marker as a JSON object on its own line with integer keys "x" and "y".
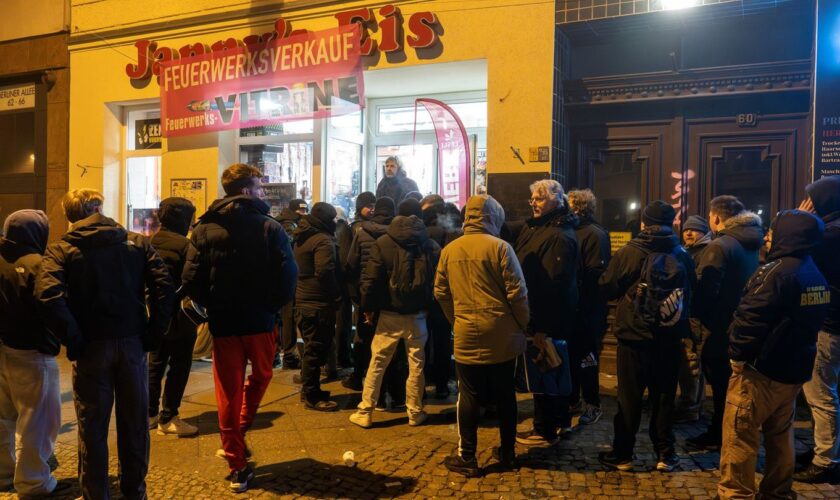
{"x": 453, "y": 151}
{"x": 312, "y": 75}
{"x": 826, "y": 97}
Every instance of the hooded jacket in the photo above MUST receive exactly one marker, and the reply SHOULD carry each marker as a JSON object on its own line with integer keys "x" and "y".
{"x": 317, "y": 257}
{"x": 365, "y": 235}
{"x": 95, "y": 281}
{"x": 396, "y": 187}
{"x": 696, "y": 250}
{"x": 405, "y": 235}
{"x": 481, "y": 289}
{"x": 171, "y": 243}
{"x": 240, "y": 267}
{"x": 774, "y": 328}
{"x": 441, "y": 226}
{"x": 548, "y": 253}
{"x": 725, "y": 265}
{"x": 289, "y": 219}
{"x": 825, "y": 194}
{"x": 622, "y": 276}
{"x": 21, "y": 252}
{"x": 594, "y": 247}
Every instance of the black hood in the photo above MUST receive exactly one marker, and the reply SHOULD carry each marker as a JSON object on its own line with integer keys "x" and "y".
{"x": 825, "y": 193}
{"x": 560, "y": 216}
{"x": 233, "y": 204}
{"x": 287, "y": 214}
{"x": 795, "y": 233}
{"x": 176, "y": 215}
{"x": 377, "y": 226}
{"x": 408, "y": 231}
{"x": 656, "y": 239}
{"x": 26, "y": 231}
{"x": 746, "y": 228}
{"x": 95, "y": 231}
{"x": 309, "y": 226}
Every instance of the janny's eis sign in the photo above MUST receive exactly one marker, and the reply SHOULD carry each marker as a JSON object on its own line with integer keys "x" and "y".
{"x": 309, "y": 75}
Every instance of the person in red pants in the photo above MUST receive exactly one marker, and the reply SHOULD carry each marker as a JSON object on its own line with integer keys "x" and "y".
{"x": 240, "y": 267}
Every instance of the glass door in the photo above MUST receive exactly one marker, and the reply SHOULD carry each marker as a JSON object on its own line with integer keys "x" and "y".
{"x": 345, "y": 144}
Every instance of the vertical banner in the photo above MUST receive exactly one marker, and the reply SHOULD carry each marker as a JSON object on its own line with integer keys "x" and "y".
{"x": 826, "y": 97}
{"x": 453, "y": 151}
{"x": 311, "y": 75}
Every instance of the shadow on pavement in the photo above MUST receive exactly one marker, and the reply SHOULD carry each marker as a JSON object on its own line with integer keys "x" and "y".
{"x": 208, "y": 422}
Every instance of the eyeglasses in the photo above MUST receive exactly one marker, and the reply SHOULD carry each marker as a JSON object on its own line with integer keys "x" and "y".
{"x": 533, "y": 200}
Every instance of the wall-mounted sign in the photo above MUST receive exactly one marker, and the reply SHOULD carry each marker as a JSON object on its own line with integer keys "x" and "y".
{"x": 746, "y": 119}
{"x": 618, "y": 239}
{"x": 826, "y": 98}
{"x": 194, "y": 190}
{"x": 539, "y": 154}
{"x": 423, "y": 33}
{"x": 312, "y": 75}
{"x": 19, "y": 97}
{"x": 147, "y": 134}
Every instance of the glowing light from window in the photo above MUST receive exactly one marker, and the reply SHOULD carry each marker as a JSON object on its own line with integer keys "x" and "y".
{"x": 32, "y": 157}
{"x": 679, "y": 4}
{"x": 633, "y": 206}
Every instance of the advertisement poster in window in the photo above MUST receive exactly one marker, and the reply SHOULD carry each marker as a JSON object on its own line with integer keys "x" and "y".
{"x": 194, "y": 190}
{"x": 147, "y": 134}
{"x": 278, "y": 195}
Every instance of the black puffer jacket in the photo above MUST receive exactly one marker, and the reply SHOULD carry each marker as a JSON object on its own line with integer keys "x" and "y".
{"x": 365, "y": 235}
{"x": 240, "y": 267}
{"x": 406, "y": 235}
{"x": 784, "y": 304}
{"x": 289, "y": 219}
{"x": 623, "y": 274}
{"x": 725, "y": 266}
{"x": 171, "y": 243}
{"x": 594, "y": 246}
{"x": 317, "y": 257}
{"x": 441, "y": 226}
{"x": 21, "y": 252}
{"x": 547, "y": 250}
{"x": 825, "y": 193}
{"x": 94, "y": 283}
{"x": 396, "y": 187}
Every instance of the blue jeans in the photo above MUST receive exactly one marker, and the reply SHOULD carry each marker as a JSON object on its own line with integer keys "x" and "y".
{"x": 821, "y": 392}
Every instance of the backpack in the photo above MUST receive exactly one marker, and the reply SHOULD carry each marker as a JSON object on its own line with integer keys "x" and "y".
{"x": 410, "y": 280}
{"x": 659, "y": 299}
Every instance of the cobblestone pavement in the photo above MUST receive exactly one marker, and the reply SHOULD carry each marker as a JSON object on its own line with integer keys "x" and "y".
{"x": 298, "y": 454}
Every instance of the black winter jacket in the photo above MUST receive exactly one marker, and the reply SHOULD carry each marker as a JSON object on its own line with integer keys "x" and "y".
{"x": 784, "y": 304}
{"x": 696, "y": 250}
{"x": 289, "y": 219}
{"x": 365, "y": 235}
{"x": 825, "y": 193}
{"x": 21, "y": 252}
{"x": 622, "y": 276}
{"x": 172, "y": 244}
{"x": 396, "y": 187}
{"x": 594, "y": 247}
{"x": 442, "y": 227}
{"x": 725, "y": 265}
{"x": 95, "y": 281}
{"x": 547, "y": 250}
{"x": 240, "y": 267}
{"x": 405, "y": 234}
{"x": 317, "y": 257}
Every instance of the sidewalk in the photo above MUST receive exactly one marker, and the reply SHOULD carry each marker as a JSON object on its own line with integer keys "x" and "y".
{"x": 298, "y": 453}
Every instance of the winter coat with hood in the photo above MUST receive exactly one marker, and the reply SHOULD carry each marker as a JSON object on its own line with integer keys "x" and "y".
{"x": 365, "y": 235}
{"x": 21, "y": 252}
{"x": 726, "y": 264}
{"x": 316, "y": 254}
{"x": 784, "y": 304}
{"x": 548, "y": 253}
{"x": 696, "y": 250}
{"x": 622, "y": 276}
{"x": 240, "y": 267}
{"x": 405, "y": 235}
{"x": 289, "y": 219}
{"x": 481, "y": 289}
{"x": 441, "y": 226}
{"x": 825, "y": 194}
{"x": 94, "y": 283}
{"x": 594, "y": 246}
{"x": 171, "y": 243}
{"x": 396, "y": 187}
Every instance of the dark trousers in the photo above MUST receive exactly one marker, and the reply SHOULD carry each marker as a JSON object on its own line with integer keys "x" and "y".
{"x": 288, "y": 332}
{"x": 551, "y": 413}
{"x": 653, "y": 366}
{"x": 439, "y": 350}
{"x": 717, "y": 371}
{"x": 317, "y": 327}
{"x": 177, "y": 355}
{"x": 344, "y": 333}
{"x": 361, "y": 346}
{"x": 584, "y": 355}
{"x": 112, "y": 373}
{"x": 479, "y": 384}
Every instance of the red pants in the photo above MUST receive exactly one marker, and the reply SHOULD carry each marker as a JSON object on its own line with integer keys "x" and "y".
{"x": 236, "y": 398}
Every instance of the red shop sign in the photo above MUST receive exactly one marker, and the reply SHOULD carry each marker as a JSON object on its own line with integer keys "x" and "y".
{"x": 310, "y": 75}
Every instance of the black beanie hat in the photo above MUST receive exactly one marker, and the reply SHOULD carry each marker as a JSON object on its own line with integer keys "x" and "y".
{"x": 696, "y": 223}
{"x": 385, "y": 206}
{"x": 365, "y": 199}
{"x": 410, "y": 206}
{"x": 324, "y": 212}
{"x": 658, "y": 213}
{"x": 296, "y": 204}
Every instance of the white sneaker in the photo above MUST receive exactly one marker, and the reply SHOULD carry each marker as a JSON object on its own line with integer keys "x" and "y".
{"x": 417, "y": 419}
{"x": 364, "y": 420}
{"x": 153, "y": 422}
{"x": 178, "y": 427}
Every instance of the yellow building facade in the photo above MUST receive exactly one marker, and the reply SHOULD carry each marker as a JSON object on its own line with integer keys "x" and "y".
{"x": 494, "y": 60}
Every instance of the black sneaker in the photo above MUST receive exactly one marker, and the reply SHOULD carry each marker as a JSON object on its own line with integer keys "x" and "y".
{"x": 667, "y": 462}
{"x": 457, "y": 464}
{"x": 62, "y": 488}
{"x": 239, "y": 479}
{"x": 610, "y": 460}
{"x": 292, "y": 363}
{"x": 817, "y": 474}
{"x": 442, "y": 393}
{"x": 507, "y": 461}
{"x": 705, "y": 442}
{"x": 353, "y": 383}
{"x": 278, "y": 362}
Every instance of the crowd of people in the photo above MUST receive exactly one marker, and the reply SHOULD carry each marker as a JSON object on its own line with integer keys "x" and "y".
{"x": 394, "y": 293}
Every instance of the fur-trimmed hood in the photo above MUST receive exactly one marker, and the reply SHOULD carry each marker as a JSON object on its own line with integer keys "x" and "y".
{"x": 746, "y": 228}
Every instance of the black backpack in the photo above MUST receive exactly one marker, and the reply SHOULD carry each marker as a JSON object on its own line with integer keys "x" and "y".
{"x": 410, "y": 280}
{"x": 659, "y": 298}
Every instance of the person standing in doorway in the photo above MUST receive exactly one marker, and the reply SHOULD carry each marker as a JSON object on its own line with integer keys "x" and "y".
{"x": 288, "y": 357}
{"x": 395, "y": 183}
